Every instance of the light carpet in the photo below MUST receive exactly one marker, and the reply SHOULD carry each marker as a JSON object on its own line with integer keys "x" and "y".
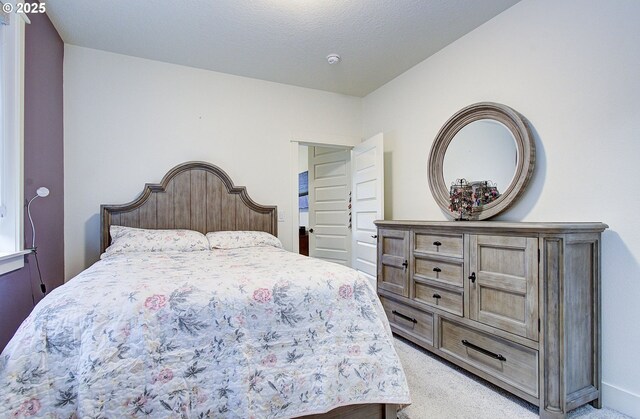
{"x": 441, "y": 390}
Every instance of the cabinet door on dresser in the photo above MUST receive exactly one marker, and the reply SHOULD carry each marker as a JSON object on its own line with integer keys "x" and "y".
{"x": 393, "y": 257}
{"x": 503, "y": 286}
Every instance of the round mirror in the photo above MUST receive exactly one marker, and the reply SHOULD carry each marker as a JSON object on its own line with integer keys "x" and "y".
{"x": 481, "y": 161}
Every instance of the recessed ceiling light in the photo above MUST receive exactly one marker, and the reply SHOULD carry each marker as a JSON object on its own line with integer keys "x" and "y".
{"x": 333, "y": 58}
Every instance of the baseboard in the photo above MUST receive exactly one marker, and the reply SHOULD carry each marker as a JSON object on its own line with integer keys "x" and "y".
{"x": 621, "y": 400}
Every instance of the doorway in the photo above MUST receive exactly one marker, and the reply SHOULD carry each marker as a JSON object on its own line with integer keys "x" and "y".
{"x": 338, "y": 196}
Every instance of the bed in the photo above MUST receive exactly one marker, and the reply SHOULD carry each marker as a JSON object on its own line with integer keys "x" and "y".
{"x": 180, "y": 329}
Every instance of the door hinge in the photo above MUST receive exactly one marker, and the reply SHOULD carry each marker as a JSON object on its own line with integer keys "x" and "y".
{"x": 538, "y": 325}
{"x": 538, "y": 255}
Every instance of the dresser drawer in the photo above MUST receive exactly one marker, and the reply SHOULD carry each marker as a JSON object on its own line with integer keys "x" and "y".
{"x": 512, "y": 363}
{"x": 437, "y": 296}
{"x": 439, "y": 244}
{"x": 438, "y": 270}
{"x": 409, "y": 320}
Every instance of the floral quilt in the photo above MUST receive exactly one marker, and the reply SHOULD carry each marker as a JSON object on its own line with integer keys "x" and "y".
{"x": 243, "y": 333}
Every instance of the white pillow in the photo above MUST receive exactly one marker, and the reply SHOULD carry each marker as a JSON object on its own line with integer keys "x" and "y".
{"x": 129, "y": 239}
{"x": 236, "y": 239}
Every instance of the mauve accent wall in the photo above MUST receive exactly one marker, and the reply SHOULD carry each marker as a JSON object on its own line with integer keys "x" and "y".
{"x": 43, "y": 166}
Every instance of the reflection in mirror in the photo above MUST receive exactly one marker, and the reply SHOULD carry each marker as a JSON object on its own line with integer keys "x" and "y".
{"x": 484, "y": 150}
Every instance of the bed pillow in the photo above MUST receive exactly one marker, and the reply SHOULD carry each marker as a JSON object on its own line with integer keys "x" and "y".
{"x": 237, "y": 239}
{"x": 129, "y": 239}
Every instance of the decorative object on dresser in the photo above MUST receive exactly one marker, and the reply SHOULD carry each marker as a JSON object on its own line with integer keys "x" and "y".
{"x": 515, "y": 303}
{"x": 465, "y": 196}
{"x": 489, "y": 145}
{"x": 461, "y": 197}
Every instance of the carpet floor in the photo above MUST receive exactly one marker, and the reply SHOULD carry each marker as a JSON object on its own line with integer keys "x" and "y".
{"x": 441, "y": 390}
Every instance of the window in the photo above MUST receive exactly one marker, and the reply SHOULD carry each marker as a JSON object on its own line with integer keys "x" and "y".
{"x": 11, "y": 141}
{"x": 303, "y": 190}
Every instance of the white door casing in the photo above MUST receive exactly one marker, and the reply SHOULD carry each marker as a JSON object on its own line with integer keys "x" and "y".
{"x": 367, "y": 161}
{"x": 329, "y": 187}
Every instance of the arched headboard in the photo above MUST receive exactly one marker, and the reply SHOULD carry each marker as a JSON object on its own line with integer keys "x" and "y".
{"x": 196, "y": 196}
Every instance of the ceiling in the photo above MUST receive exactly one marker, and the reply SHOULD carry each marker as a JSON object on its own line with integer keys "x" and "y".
{"x": 284, "y": 41}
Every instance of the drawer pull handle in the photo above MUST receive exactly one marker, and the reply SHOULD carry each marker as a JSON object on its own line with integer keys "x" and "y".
{"x": 472, "y": 277}
{"x": 411, "y": 319}
{"x": 436, "y": 296}
{"x": 483, "y": 351}
{"x": 436, "y": 243}
{"x": 436, "y": 269}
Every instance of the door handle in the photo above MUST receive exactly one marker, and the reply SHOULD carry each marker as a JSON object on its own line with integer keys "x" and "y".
{"x": 310, "y": 230}
{"x": 375, "y": 236}
{"x": 472, "y": 277}
{"x": 405, "y": 264}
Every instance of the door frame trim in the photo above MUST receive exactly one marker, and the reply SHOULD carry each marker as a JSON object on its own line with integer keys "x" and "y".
{"x": 309, "y": 140}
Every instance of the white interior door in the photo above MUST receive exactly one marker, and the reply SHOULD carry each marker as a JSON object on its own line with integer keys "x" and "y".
{"x": 329, "y": 187}
{"x": 367, "y": 160}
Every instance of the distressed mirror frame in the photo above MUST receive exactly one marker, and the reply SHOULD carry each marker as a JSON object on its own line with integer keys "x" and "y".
{"x": 525, "y": 151}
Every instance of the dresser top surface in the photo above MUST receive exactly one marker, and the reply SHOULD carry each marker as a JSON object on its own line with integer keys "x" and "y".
{"x": 537, "y": 227}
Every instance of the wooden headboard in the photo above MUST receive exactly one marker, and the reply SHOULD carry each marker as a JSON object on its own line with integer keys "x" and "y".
{"x": 196, "y": 196}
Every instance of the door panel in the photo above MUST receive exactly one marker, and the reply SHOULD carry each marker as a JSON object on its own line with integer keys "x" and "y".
{"x": 505, "y": 290}
{"x": 393, "y": 272}
{"x": 367, "y": 203}
{"x": 329, "y": 186}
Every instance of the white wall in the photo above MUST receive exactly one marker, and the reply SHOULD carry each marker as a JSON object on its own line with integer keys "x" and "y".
{"x": 572, "y": 68}
{"x": 129, "y": 120}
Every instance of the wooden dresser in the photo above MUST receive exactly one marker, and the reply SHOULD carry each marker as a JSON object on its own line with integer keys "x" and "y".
{"x": 518, "y": 304}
